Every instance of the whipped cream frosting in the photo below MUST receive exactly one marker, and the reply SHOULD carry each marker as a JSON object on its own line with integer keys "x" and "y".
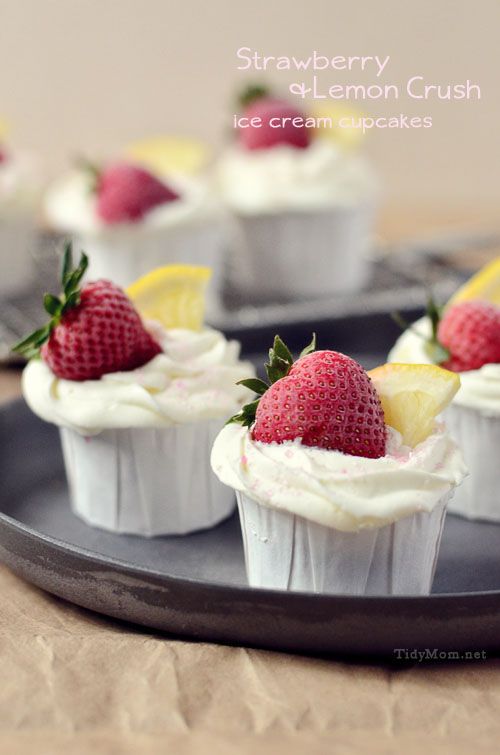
{"x": 70, "y": 206}
{"x": 284, "y": 178}
{"x": 479, "y": 389}
{"x": 193, "y": 380}
{"x": 19, "y": 181}
{"x": 348, "y": 493}
{"x": 411, "y": 346}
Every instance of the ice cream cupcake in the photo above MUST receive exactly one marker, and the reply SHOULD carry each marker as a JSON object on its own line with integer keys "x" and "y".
{"x": 138, "y": 402}
{"x": 465, "y": 337}
{"x": 342, "y": 477}
{"x": 302, "y": 204}
{"x": 19, "y": 193}
{"x": 130, "y": 220}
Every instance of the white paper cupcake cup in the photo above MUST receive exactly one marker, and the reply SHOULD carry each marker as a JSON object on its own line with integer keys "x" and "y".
{"x": 286, "y": 552}
{"x": 124, "y": 255}
{"x": 17, "y": 249}
{"x": 302, "y": 254}
{"x": 145, "y": 481}
{"x": 478, "y": 497}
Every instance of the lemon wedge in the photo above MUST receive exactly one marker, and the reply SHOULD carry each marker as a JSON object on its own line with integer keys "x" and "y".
{"x": 173, "y": 295}
{"x": 412, "y": 396}
{"x": 170, "y": 154}
{"x": 4, "y": 129}
{"x": 484, "y": 285}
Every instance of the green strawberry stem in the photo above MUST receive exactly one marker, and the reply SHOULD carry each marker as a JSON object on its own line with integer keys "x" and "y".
{"x": 92, "y": 169}
{"x": 436, "y": 351}
{"x": 279, "y": 365}
{"x": 251, "y": 93}
{"x": 56, "y": 306}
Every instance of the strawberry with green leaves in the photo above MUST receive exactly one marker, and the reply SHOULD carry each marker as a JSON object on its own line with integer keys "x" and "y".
{"x": 464, "y": 336}
{"x": 276, "y": 122}
{"x": 125, "y": 192}
{"x": 325, "y": 399}
{"x": 470, "y": 332}
{"x": 93, "y": 329}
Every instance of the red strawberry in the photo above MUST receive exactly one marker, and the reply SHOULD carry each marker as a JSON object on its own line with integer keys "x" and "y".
{"x": 126, "y": 193}
{"x": 92, "y": 332}
{"x": 326, "y": 399}
{"x": 271, "y": 110}
{"x": 471, "y": 333}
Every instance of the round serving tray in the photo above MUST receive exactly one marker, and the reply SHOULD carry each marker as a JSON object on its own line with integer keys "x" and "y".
{"x": 195, "y": 586}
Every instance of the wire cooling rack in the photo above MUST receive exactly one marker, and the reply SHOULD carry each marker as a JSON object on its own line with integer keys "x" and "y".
{"x": 401, "y": 279}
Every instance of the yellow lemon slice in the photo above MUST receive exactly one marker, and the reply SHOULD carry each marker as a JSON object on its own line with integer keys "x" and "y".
{"x": 412, "y": 396}
{"x": 173, "y": 295}
{"x": 484, "y": 285}
{"x": 170, "y": 154}
{"x": 4, "y": 129}
{"x": 345, "y": 135}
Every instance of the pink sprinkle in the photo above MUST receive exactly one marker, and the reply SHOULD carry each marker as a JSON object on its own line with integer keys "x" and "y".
{"x": 289, "y": 453}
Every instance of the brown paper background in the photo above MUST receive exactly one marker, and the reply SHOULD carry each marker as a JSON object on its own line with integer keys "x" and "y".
{"x": 75, "y": 682}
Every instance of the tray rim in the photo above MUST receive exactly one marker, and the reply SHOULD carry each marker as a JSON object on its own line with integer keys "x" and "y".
{"x": 7, "y": 521}
{"x": 200, "y": 610}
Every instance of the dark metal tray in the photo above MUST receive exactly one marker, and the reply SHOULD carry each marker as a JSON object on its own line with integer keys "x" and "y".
{"x": 195, "y": 586}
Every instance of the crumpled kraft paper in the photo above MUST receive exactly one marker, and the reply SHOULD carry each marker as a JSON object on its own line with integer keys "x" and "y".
{"x": 72, "y": 681}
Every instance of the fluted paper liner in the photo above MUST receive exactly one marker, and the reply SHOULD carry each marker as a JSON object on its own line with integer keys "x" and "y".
{"x": 146, "y": 481}
{"x": 478, "y": 497}
{"x": 287, "y": 552}
{"x": 17, "y": 246}
{"x": 303, "y": 253}
{"x": 122, "y": 256}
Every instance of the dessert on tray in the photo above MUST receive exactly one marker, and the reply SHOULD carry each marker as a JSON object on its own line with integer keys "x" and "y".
{"x": 302, "y": 202}
{"x": 138, "y": 401}
{"x": 130, "y": 220}
{"x": 342, "y": 477}
{"x": 465, "y": 337}
{"x": 19, "y": 193}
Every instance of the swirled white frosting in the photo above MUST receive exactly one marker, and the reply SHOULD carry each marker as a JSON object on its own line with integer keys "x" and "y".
{"x": 411, "y": 346}
{"x": 70, "y": 206}
{"x": 347, "y": 493}
{"x": 285, "y": 178}
{"x": 19, "y": 181}
{"x": 193, "y": 380}
{"x": 479, "y": 389}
